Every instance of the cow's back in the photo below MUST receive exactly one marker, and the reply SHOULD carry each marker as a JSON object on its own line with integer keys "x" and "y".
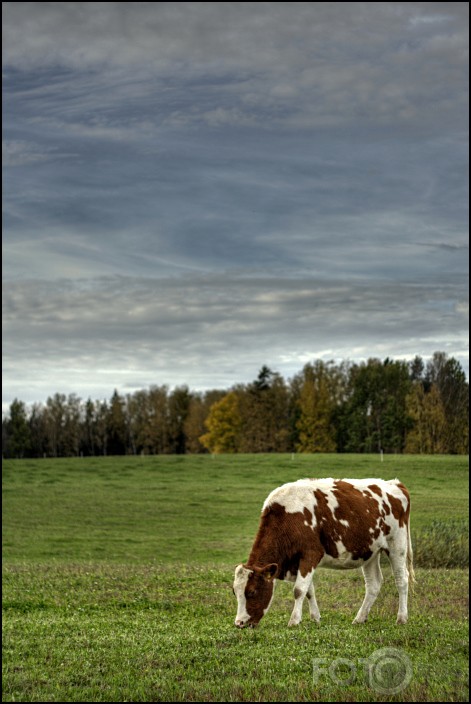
{"x": 347, "y": 521}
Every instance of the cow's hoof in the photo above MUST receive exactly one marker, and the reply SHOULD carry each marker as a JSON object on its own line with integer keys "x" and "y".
{"x": 359, "y": 620}
{"x": 293, "y": 622}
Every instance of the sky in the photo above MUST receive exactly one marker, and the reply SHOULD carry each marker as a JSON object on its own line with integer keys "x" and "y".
{"x": 192, "y": 190}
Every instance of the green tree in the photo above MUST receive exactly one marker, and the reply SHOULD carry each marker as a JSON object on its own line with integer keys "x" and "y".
{"x": 155, "y": 436}
{"x": 18, "y": 430}
{"x": 446, "y": 373}
{"x": 89, "y": 428}
{"x": 72, "y": 430}
{"x": 178, "y": 406}
{"x": 117, "y": 431}
{"x": 375, "y": 413}
{"x": 101, "y": 427}
{"x": 37, "y": 424}
{"x": 55, "y": 417}
{"x": 264, "y": 409}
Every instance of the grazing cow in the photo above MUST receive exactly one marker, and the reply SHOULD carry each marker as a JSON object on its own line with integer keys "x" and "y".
{"x": 336, "y": 523}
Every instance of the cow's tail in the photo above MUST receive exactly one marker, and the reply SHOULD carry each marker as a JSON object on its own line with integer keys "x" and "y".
{"x": 410, "y": 559}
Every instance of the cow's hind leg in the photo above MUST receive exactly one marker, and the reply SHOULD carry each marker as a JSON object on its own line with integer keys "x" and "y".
{"x": 398, "y": 560}
{"x": 373, "y": 581}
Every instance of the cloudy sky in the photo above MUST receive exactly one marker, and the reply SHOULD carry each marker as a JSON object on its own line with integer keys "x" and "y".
{"x": 195, "y": 189}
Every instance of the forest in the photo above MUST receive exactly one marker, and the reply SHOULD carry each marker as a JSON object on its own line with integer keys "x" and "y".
{"x": 387, "y": 405}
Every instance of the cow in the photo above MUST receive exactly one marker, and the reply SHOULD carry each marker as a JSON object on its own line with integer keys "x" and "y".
{"x": 335, "y": 523}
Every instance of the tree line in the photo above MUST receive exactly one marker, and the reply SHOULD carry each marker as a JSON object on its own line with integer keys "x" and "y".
{"x": 390, "y": 406}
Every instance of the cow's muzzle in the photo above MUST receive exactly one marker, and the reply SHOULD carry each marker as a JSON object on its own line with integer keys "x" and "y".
{"x": 244, "y": 624}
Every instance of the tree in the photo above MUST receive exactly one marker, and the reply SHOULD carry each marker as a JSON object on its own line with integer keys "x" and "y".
{"x": 116, "y": 426}
{"x": 18, "y": 431}
{"x": 317, "y": 402}
{"x": 446, "y": 373}
{"x": 224, "y": 423}
{"x": 101, "y": 427}
{"x": 264, "y": 409}
{"x": 89, "y": 428}
{"x": 427, "y": 433}
{"x": 154, "y": 435}
{"x": 55, "y": 415}
{"x": 37, "y": 425}
{"x": 439, "y": 407}
{"x": 375, "y": 414}
{"x": 194, "y": 426}
{"x": 72, "y": 427}
{"x": 178, "y": 405}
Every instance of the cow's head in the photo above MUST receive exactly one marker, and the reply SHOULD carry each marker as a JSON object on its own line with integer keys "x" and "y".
{"x": 253, "y": 587}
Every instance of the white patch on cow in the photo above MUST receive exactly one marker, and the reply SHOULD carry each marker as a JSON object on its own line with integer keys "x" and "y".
{"x": 296, "y": 496}
{"x": 397, "y": 493}
{"x": 241, "y": 577}
{"x": 332, "y": 502}
{"x": 344, "y": 522}
{"x": 292, "y": 501}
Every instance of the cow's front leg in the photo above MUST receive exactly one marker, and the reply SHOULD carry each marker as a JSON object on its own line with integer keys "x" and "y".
{"x": 313, "y": 608}
{"x": 301, "y": 588}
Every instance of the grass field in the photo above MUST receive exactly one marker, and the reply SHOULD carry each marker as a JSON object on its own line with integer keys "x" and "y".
{"x": 117, "y": 576}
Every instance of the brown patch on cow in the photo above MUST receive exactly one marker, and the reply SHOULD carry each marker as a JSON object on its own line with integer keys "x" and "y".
{"x": 401, "y": 515}
{"x": 285, "y": 539}
{"x": 327, "y": 525}
{"x": 375, "y": 488}
{"x": 258, "y": 594}
{"x": 360, "y": 510}
{"x": 297, "y": 593}
{"x": 308, "y": 516}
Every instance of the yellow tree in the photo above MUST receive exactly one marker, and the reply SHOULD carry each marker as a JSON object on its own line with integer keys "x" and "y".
{"x": 224, "y": 424}
{"x": 316, "y": 432}
{"x": 427, "y": 434}
{"x": 198, "y": 410}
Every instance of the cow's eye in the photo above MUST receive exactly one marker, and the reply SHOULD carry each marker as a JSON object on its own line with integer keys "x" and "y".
{"x": 251, "y": 592}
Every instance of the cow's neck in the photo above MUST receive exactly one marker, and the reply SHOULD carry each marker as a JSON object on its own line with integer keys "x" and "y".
{"x": 268, "y": 548}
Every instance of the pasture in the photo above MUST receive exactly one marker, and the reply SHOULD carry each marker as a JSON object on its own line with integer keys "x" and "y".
{"x": 117, "y": 576}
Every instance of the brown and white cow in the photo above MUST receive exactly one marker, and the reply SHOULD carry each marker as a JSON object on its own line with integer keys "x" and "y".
{"x": 336, "y": 523}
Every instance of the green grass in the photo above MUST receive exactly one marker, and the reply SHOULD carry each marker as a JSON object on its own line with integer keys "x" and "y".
{"x": 117, "y": 583}
{"x": 190, "y": 508}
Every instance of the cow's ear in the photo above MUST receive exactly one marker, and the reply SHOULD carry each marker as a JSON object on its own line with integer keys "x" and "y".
{"x": 270, "y": 572}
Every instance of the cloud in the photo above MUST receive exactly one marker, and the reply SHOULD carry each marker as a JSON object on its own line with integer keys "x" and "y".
{"x": 304, "y": 64}
{"x": 213, "y": 331}
{"x": 193, "y": 190}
